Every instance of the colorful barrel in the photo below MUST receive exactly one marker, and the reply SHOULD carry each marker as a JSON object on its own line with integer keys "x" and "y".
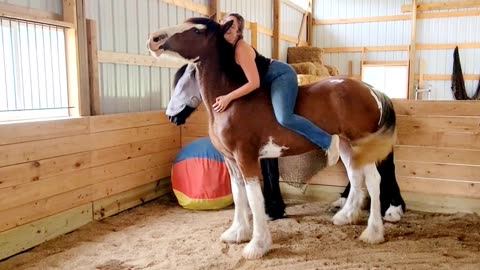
{"x": 200, "y": 178}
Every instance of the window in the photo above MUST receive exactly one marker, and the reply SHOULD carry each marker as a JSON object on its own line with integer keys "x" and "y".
{"x": 33, "y": 71}
{"x": 391, "y": 79}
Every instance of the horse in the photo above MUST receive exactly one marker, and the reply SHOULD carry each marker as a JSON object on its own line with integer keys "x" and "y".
{"x": 186, "y": 98}
{"x": 248, "y": 131}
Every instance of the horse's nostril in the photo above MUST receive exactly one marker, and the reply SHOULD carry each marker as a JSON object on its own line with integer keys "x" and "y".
{"x": 156, "y": 39}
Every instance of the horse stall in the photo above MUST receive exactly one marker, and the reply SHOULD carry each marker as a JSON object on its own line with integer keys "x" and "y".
{"x": 86, "y": 177}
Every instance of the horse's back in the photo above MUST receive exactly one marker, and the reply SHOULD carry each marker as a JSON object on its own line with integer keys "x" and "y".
{"x": 340, "y": 105}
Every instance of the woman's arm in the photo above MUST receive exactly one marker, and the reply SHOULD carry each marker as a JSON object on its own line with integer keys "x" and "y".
{"x": 245, "y": 57}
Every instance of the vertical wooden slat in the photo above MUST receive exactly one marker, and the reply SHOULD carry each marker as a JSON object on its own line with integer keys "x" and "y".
{"x": 93, "y": 67}
{"x": 350, "y": 68}
{"x": 69, "y": 15}
{"x": 302, "y": 28}
{"x": 310, "y": 25}
{"x": 82, "y": 64}
{"x": 412, "y": 51}
{"x": 215, "y": 10}
{"x": 254, "y": 34}
{"x": 276, "y": 29}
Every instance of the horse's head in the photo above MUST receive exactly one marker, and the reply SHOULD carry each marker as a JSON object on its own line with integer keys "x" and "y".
{"x": 195, "y": 39}
{"x": 186, "y": 96}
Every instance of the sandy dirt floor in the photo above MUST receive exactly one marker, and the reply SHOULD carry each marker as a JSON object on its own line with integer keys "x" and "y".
{"x": 162, "y": 235}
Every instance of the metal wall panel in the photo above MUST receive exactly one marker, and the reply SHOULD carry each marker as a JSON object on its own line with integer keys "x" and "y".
{"x": 124, "y": 27}
{"x": 55, "y": 6}
{"x": 429, "y": 31}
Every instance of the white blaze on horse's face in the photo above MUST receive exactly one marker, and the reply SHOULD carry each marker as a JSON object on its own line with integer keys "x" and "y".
{"x": 271, "y": 150}
{"x": 156, "y": 40}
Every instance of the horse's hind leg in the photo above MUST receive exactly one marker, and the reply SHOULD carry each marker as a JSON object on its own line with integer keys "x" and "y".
{"x": 391, "y": 199}
{"x": 239, "y": 231}
{"x": 274, "y": 204}
{"x": 374, "y": 233}
{"x": 350, "y": 212}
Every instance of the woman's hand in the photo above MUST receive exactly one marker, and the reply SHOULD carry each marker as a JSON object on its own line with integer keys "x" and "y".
{"x": 221, "y": 103}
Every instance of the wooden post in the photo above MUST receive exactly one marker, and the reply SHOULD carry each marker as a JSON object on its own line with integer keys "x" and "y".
{"x": 215, "y": 10}
{"x": 350, "y": 68}
{"x": 254, "y": 34}
{"x": 310, "y": 22}
{"x": 93, "y": 67}
{"x": 412, "y": 52}
{"x": 78, "y": 93}
{"x": 302, "y": 28}
{"x": 276, "y": 28}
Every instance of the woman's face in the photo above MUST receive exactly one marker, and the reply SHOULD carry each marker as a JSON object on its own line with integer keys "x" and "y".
{"x": 232, "y": 33}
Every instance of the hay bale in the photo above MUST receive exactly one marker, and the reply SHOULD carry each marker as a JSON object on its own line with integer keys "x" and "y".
{"x": 332, "y": 70}
{"x": 304, "y": 54}
{"x": 305, "y": 68}
{"x": 321, "y": 70}
{"x": 307, "y": 79}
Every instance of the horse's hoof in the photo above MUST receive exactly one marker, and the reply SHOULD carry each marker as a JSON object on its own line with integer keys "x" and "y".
{"x": 338, "y": 204}
{"x": 275, "y": 211}
{"x": 257, "y": 248}
{"x": 372, "y": 235}
{"x": 393, "y": 214}
{"x": 236, "y": 234}
{"x": 346, "y": 216}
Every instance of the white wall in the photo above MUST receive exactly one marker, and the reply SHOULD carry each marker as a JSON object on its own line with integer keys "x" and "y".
{"x": 54, "y": 6}
{"x": 429, "y": 31}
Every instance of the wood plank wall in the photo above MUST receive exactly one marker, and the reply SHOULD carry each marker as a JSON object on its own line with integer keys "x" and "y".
{"x": 437, "y": 151}
{"x": 56, "y": 176}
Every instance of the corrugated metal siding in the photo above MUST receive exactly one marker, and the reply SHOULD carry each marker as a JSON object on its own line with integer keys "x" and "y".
{"x": 260, "y": 12}
{"x": 55, "y": 6}
{"x": 360, "y": 34}
{"x": 440, "y": 62}
{"x": 429, "y": 31}
{"x": 124, "y": 27}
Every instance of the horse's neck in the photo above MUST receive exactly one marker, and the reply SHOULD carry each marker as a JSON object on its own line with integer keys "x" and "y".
{"x": 213, "y": 82}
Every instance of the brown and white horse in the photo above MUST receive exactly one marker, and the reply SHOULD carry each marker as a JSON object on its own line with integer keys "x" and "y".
{"x": 248, "y": 131}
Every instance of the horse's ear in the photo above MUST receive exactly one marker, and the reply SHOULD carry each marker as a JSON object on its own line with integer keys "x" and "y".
{"x": 226, "y": 26}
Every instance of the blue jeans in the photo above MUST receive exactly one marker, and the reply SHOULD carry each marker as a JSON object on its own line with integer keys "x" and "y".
{"x": 284, "y": 90}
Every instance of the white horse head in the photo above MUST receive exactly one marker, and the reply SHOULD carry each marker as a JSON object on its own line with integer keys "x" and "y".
{"x": 186, "y": 96}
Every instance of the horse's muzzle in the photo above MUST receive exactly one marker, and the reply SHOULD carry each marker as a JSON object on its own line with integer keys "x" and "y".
{"x": 182, "y": 116}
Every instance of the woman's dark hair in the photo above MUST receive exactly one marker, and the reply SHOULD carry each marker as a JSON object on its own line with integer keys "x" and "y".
{"x": 241, "y": 23}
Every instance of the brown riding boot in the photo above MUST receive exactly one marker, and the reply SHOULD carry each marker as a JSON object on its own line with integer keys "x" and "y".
{"x": 333, "y": 152}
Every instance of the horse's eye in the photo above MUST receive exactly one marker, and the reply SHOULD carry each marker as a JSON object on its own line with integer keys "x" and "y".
{"x": 197, "y": 30}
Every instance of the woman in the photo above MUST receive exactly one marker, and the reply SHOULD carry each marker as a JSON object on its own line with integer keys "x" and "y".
{"x": 284, "y": 89}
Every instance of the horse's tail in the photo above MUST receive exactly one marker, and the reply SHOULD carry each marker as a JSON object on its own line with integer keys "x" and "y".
{"x": 376, "y": 146}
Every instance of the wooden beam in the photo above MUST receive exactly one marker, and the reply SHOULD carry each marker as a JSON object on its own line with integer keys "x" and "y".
{"x": 294, "y": 6}
{"x": 137, "y": 59}
{"x": 94, "y": 79}
{"x": 363, "y": 20}
{"x": 276, "y": 29}
{"x": 412, "y": 51}
{"x": 350, "y": 69}
{"x": 442, "y": 6}
{"x": 112, "y": 205}
{"x": 367, "y": 49}
{"x": 442, "y": 77}
{"x": 29, "y": 235}
{"x": 215, "y": 10}
{"x": 254, "y": 35}
{"x": 74, "y": 99}
{"x": 310, "y": 23}
{"x": 33, "y": 15}
{"x": 421, "y": 79}
{"x": 302, "y": 29}
{"x": 83, "y": 72}
{"x": 471, "y": 13}
{"x": 385, "y": 63}
{"x": 293, "y": 40}
{"x": 190, "y": 5}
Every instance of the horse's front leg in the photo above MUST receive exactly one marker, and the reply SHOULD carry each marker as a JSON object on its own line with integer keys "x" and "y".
{"x": 261, "y": 240}
{"x": 240, "y": 230}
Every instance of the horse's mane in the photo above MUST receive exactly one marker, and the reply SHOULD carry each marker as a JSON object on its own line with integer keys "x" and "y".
{"x": 228, "y": 65}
